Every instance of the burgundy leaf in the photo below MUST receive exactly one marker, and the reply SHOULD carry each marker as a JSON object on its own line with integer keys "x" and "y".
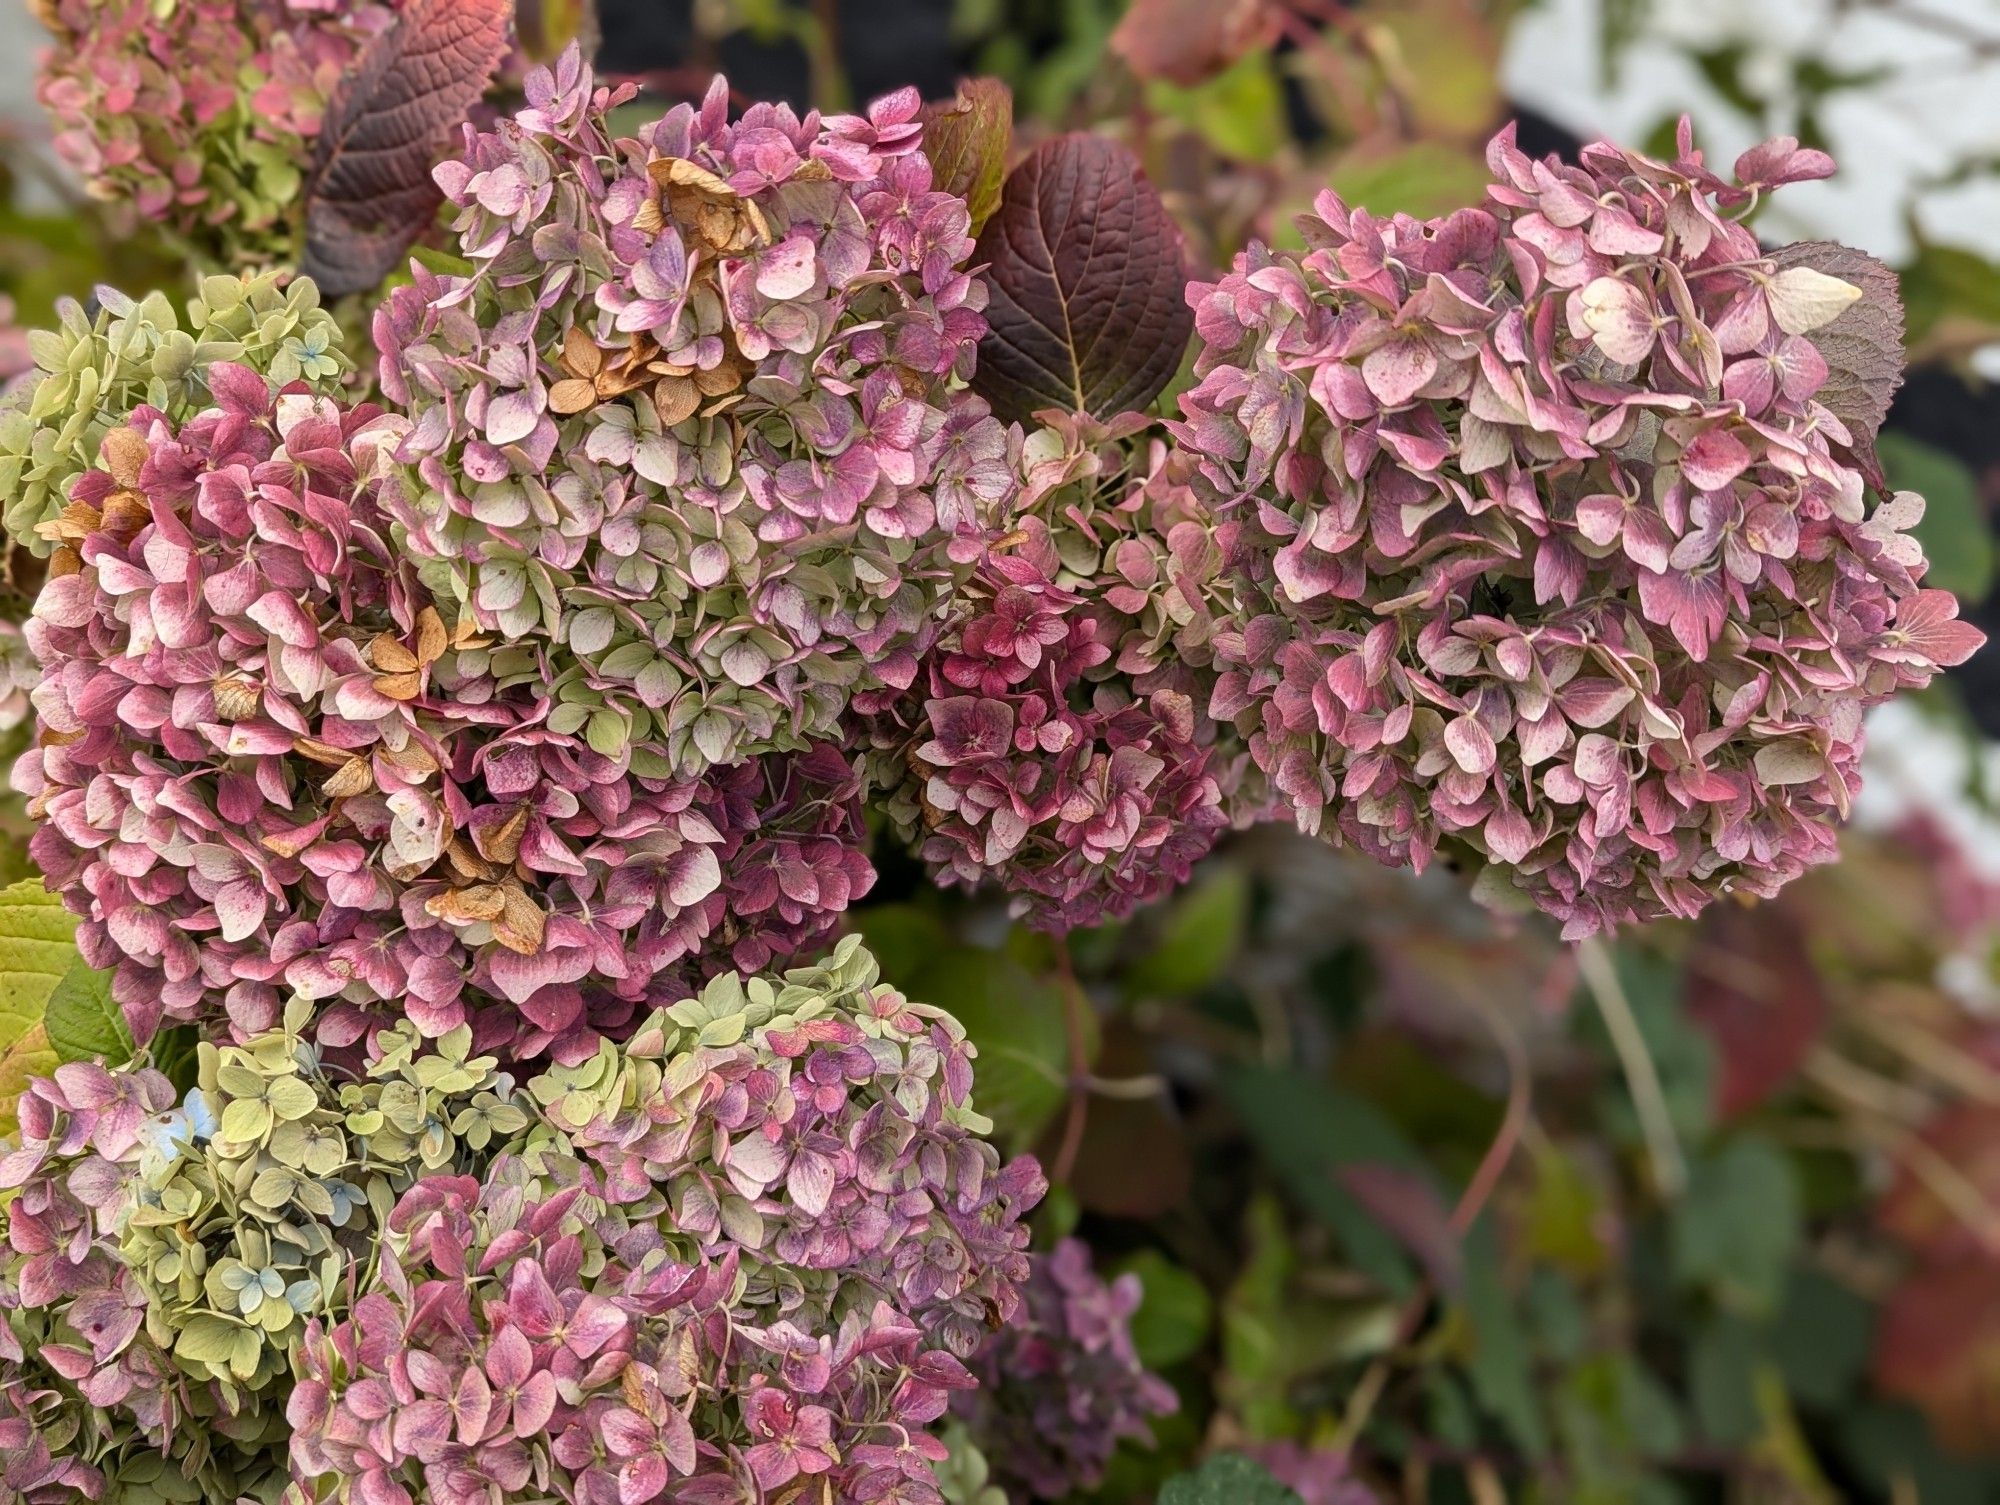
{"x": 1406, "y": 1204}
{"x": 1753, "y": 990}
{"x": 369, "y": 192}
{"x": 1088, "y": 310}
{"x": 1187, "y": 41}
{"x": 1863, "y": 348}
{"x": 966, "y": 139}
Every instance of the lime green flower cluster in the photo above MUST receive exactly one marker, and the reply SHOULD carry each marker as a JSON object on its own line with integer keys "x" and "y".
{"x": 255, "y": 1200}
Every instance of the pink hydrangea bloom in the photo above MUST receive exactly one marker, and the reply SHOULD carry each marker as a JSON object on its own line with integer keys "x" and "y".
{"x": 697, "y": 416}
{"x": 752, "y": 1249}
{"x": 1061, "y": 1386}
{"x": 198, "y": 115}
{"x": 1558, "y": 556}
{"x": 267, "y": 768}
{"x": 1016, "y": 768}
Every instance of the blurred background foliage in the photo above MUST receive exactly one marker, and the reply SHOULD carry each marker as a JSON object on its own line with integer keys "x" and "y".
{"x": 1463, "y": 1214}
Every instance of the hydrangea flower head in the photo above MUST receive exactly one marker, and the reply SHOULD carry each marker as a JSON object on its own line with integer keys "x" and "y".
{"x": 749, "y": 1251}
{"x": 267, "y": 768}
{"x": 94, "y": 1403}
{"x": 1559, "y": 556}
{"x": 692, "y": 418}
{"x": 1078, "y": 799}
{"x": 198, "y": 115}
{"x": 1058, "y": 745}
{"x": 1062, "y": 1386}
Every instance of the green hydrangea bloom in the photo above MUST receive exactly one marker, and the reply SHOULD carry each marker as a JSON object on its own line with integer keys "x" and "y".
{"x": 258, "y": 1198}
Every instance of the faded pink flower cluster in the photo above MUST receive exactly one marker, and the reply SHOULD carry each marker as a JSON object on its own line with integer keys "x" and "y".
{"x": 1559, "y": 556}
{"x": 720, "y": 1272}
{"x": 268, "y": 769}
{"x": 1077, "y": 798}
{"x": 696, "y": 418}
{"x": 197, "y": 115}
{"x": 1058, "y": 746}
{"x": 1062, "y": 1386}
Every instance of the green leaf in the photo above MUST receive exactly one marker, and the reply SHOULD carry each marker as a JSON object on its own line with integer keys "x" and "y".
{"x": 1737, "y": 1227}
{"x": 1682, "y": 1054}
{"x": 904, "y": 938}
{"x": 1500, "y": 1367}
{"x": 1722, "y": 1382}
{"x": 1425, "y": 178}
{"x": 1821, "y": 1339}
{"x": 1016, "y": 1020}
{"x": 36, "y": 949}
{"x": 1309, "y": 1129}
{"x": 1944, "y": 282}
{"x": 1199, "y": 935}
{"x": 84, "y": 1024}
{"x": 1955, "y": 532}
{"x": 1227, "y": 1479}
{"x": 1175, "y": 1316}
{"x": 1240, "y": 111}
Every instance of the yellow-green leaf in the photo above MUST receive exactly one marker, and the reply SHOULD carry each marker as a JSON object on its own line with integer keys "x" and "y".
{"x": 37, "y": 947}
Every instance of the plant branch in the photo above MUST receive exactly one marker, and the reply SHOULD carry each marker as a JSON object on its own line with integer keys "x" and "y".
{"x": 1663, "y": 1145}
{"x": 1514, "y": 1121}
{"x": 1076, "y": 1005}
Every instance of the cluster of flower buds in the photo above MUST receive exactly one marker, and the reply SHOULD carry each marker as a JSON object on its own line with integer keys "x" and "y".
{"x": 696, "y": 421}
{"x": 1558, "y": 556}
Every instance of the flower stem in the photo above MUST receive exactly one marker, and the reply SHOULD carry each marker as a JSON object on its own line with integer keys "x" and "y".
{"x": 1663, "y": 1145}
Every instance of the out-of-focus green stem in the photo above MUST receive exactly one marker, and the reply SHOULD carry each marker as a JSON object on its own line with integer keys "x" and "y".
{"x": 1663, "y": 1145}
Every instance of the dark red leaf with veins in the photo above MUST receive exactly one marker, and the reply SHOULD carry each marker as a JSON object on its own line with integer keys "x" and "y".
{"x": 369, "y": 192}
{"x": 1089, "y": 310}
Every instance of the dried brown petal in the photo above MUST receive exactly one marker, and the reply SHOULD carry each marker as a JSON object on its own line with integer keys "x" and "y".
{"x": 123, "y": 453}
{"x": 125, "y": 513}
{"x": 463, "y": 906}
{"x": 705, "y": 203}
{"x": 467, "y": 863}
{"x": 581, "y": 355}
{"x": 76, "y": 521}
{"x": 351, "y": 778}
{"x": 236, "y": 699}
{"x": 651, "y": 218}
{"x": 719, "y": 380}
{"x": 675, "y": 398}
{"x": 411, "y": 757}
{"x": 321, "y": 752}
{"x": 502, "y": 843}
{"x": 431, "y": 640}
{"x": 389, "y": 655}
{"x": 65, "y": 561}
{"x": 573, "y": 394}
{"x": 521, "y": 923}
{"x": 400, "y": 686}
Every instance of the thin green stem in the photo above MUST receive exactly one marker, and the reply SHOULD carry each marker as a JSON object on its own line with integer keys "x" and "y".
{"x": 1663, "y": 1145}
